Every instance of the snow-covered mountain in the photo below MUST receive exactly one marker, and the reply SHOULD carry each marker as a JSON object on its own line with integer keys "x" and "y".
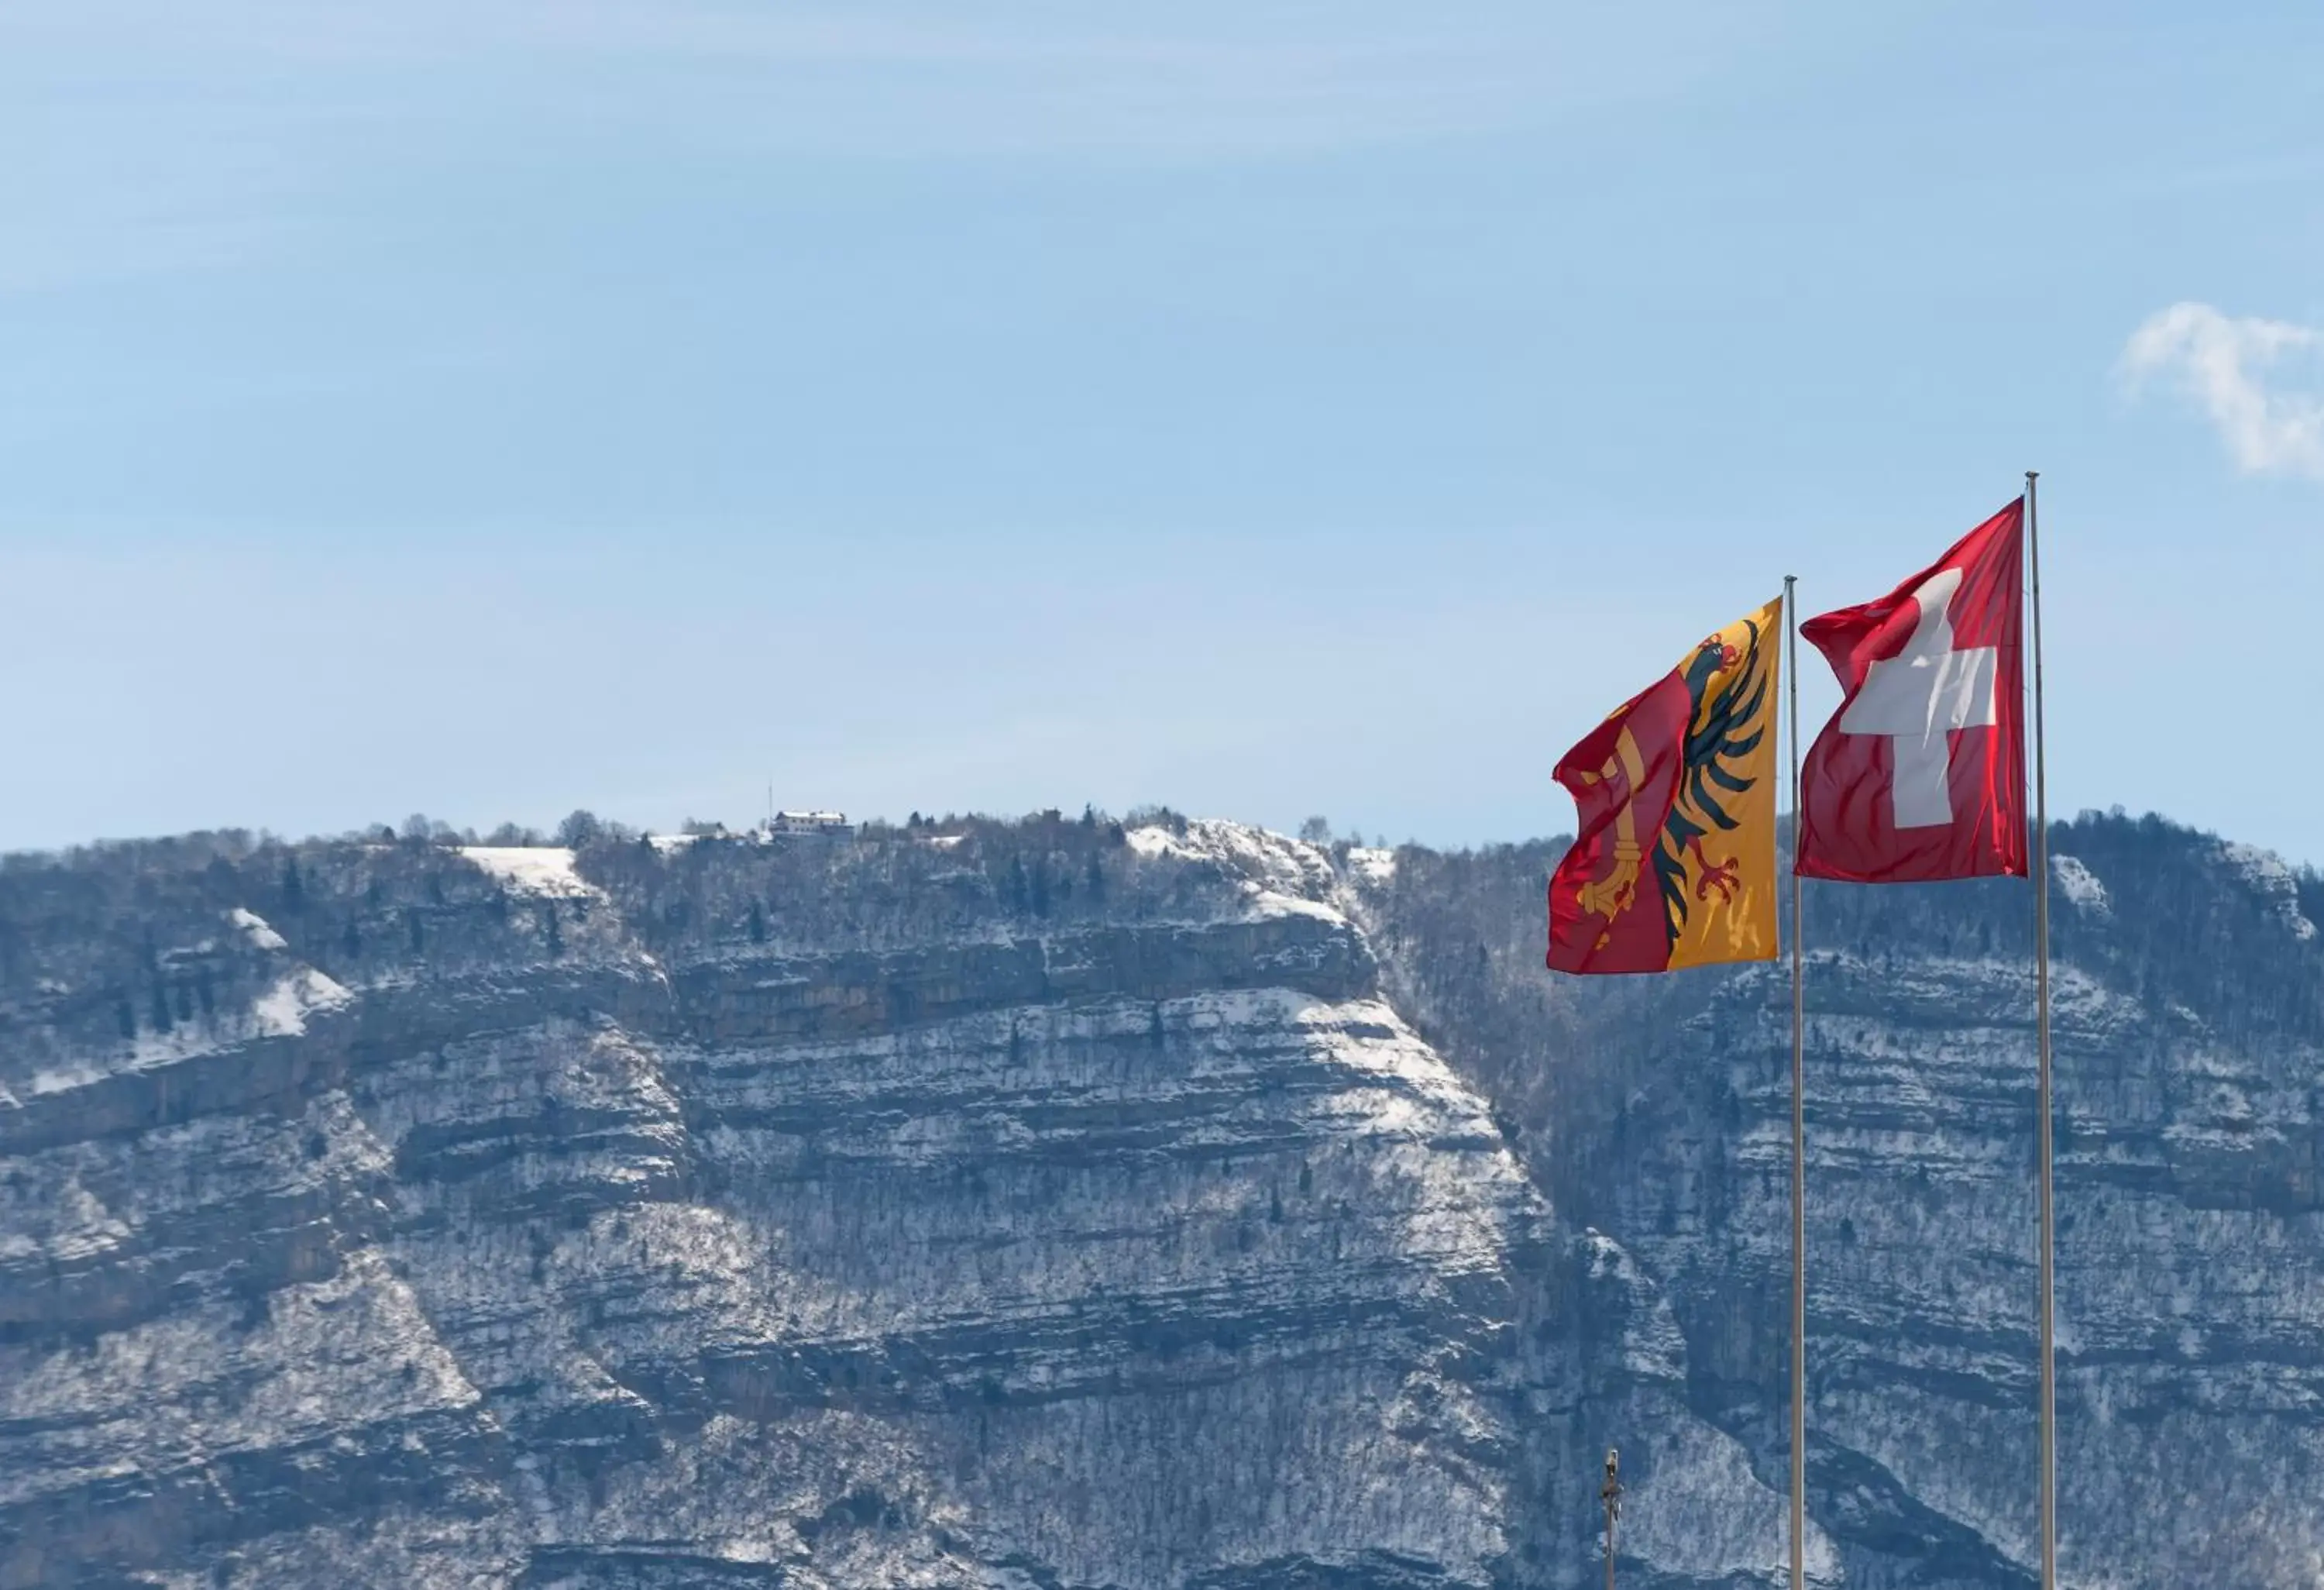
{"x": 1050, "y": 1203}
{"x": 2189, "y": 1061}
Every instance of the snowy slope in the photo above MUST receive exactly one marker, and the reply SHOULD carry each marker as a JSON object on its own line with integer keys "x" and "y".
{"x": 2189, "y": 1056}
{"x": 1188, "y": 1205}
{"x": 1063, "y": 1209}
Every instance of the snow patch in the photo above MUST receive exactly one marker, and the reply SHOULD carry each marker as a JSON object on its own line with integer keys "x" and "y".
{"x": 1281, "y": 876}
{"x": 1371, "y": 865}
{"x": 1265, "y": 905}
{"x": 284, "y": 1011}
{"x": 1701, "y": 1514}
{"x": 2080, "y": 886}
{"x": 544, "y": 870}
{"x": 2273, "y": 880}
{"x": 255, "y": 928}
{"x": 1653, "y": 1346}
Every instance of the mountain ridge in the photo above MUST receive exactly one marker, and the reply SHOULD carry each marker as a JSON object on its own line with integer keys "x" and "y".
{"x": 1080, "y": 1203}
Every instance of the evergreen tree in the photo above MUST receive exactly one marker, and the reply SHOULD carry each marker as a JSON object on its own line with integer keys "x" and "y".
{"x": 411, "y": 926}
{"x": 555, "y": 934}
{"x": 1041, "y": 886}
{"x": 351, "y": 941}
{"x": 126, "y": 1016}
{"x": 158, "y": 1015}
{"x": 758, "y": 924}
{"x": 1014, "y": 892}
{"x": 1094, "y": 879}
{"x": 294, "y": 890}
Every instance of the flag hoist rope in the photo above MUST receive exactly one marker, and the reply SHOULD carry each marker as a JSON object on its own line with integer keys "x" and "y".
{"x": 1799, "y": 1130}
{"x": 2041, "y": 1086}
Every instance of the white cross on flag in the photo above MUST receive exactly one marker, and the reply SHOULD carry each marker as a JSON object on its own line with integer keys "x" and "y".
{"x": 1921, "y": 774}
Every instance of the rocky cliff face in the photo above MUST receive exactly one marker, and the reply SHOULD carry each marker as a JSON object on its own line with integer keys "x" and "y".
{"x": 2190, "y": 1065}
{"x": 1053, "y": 1205}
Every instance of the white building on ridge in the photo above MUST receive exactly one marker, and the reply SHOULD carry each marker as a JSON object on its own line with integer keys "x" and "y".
{"x": 824, "y": 825}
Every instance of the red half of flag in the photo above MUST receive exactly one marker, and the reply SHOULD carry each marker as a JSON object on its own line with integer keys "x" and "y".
{"x": 1921, "y": 774}
{"x": 1605, "y": 902}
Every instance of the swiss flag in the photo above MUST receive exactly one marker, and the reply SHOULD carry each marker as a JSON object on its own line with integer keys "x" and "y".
{"x": 1921, "y": 774}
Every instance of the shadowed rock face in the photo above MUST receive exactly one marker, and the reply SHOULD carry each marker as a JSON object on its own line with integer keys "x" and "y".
{"x": 2190, "y": 1066}
{"x": 1052, "y": 1206}
{"x": 1045, "y": 1204}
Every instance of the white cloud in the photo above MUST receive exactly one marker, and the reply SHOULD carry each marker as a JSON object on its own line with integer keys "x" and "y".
{"x": 2233, "y": 369}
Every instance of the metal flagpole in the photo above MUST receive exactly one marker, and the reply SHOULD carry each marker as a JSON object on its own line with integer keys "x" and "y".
{"x": 2042, "y": 1089}
{"x": 1799, "y": 1129}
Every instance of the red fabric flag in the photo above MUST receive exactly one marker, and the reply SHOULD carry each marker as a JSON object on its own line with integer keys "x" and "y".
{"x": 1921, "y": 774}
{"x": 1625, "y": 770}
{"x": 1674, "y": 864}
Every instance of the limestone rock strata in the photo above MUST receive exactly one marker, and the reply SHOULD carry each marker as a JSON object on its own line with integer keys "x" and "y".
{"x": 2189, "y": 1069}
{"x": 1047, "y": 1205}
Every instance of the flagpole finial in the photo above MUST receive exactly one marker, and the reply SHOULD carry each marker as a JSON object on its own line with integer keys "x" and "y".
{"x": 2030, "y": 475}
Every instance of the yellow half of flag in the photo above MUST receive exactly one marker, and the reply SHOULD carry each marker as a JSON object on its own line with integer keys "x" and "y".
{"x": 1714, "y": 860}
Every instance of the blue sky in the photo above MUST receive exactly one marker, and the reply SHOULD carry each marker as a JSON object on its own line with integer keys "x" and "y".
{"x": 498, "y": 407}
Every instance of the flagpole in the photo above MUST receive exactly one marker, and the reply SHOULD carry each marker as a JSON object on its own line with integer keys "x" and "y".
{"x": 2041, "y": 1005}
{"x": 1799, "y": 1128}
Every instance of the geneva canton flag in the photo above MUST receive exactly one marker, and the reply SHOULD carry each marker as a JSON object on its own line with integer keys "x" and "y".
{"x": 1675, "y": 861}
{"x": 1921, "y": 774}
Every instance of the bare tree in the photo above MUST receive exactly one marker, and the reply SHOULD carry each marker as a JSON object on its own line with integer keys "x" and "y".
{"x": 580, "y": 828}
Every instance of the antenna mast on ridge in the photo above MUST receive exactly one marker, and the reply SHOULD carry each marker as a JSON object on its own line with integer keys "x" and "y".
{"x": 1610, "y": 1494}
